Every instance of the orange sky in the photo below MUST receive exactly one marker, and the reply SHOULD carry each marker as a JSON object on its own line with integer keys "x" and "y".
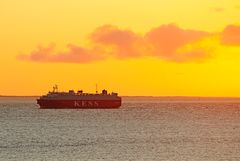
{"x": 147, "y": 47}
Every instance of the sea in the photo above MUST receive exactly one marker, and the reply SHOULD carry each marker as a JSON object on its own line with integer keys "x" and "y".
{"x": 144, "y": 128}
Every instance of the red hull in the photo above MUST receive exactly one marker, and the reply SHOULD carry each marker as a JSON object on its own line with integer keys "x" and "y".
{"x": 79, "y": 104}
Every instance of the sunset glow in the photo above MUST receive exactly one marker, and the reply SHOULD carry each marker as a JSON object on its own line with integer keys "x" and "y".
{"x": 147, "y": 47}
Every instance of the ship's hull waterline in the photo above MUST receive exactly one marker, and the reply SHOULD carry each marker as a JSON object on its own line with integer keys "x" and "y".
{"x": 79, "y": 104}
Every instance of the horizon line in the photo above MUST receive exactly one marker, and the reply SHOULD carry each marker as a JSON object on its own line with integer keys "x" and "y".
{"x": 236, "y": 97}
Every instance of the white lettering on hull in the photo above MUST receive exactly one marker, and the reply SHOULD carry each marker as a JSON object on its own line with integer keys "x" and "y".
{"x": 86, "y": 104}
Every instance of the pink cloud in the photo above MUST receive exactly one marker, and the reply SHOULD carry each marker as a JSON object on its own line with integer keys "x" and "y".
{"x": 107, "y": 41}
{"x": 167, "y": 39}
{"x": 162, "y": 42}
{"x": 231, "y": 35}
{"x": 123, "y": 43}
{"x": 75, "y": 54}
{"x": 196, "y": 55}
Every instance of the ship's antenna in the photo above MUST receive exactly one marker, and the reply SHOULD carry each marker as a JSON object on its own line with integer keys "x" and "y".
{"x": 56, "y": 87}
{"x": 96, "y": 88}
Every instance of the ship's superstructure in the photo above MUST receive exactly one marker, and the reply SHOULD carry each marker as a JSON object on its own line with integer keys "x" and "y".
{"x": 79, "y": 99}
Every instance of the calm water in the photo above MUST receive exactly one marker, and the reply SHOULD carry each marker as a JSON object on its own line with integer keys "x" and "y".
{"x": 140, "y": 130}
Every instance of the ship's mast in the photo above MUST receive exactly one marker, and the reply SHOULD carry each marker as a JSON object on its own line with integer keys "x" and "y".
{"x": 96, "y": 88}
{"x": 55, "y": 88}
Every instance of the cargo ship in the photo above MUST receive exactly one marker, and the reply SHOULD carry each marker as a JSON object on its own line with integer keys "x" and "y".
{"x": 79, "y": 100}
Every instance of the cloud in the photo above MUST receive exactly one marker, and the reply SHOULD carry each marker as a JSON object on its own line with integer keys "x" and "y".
{"x": 166, "y": 42}
{"x": 162, "y": 42}
{"x": 231, "y": 35}
{"x": 75, "y": 54}
{"x": 119, "y": 43}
